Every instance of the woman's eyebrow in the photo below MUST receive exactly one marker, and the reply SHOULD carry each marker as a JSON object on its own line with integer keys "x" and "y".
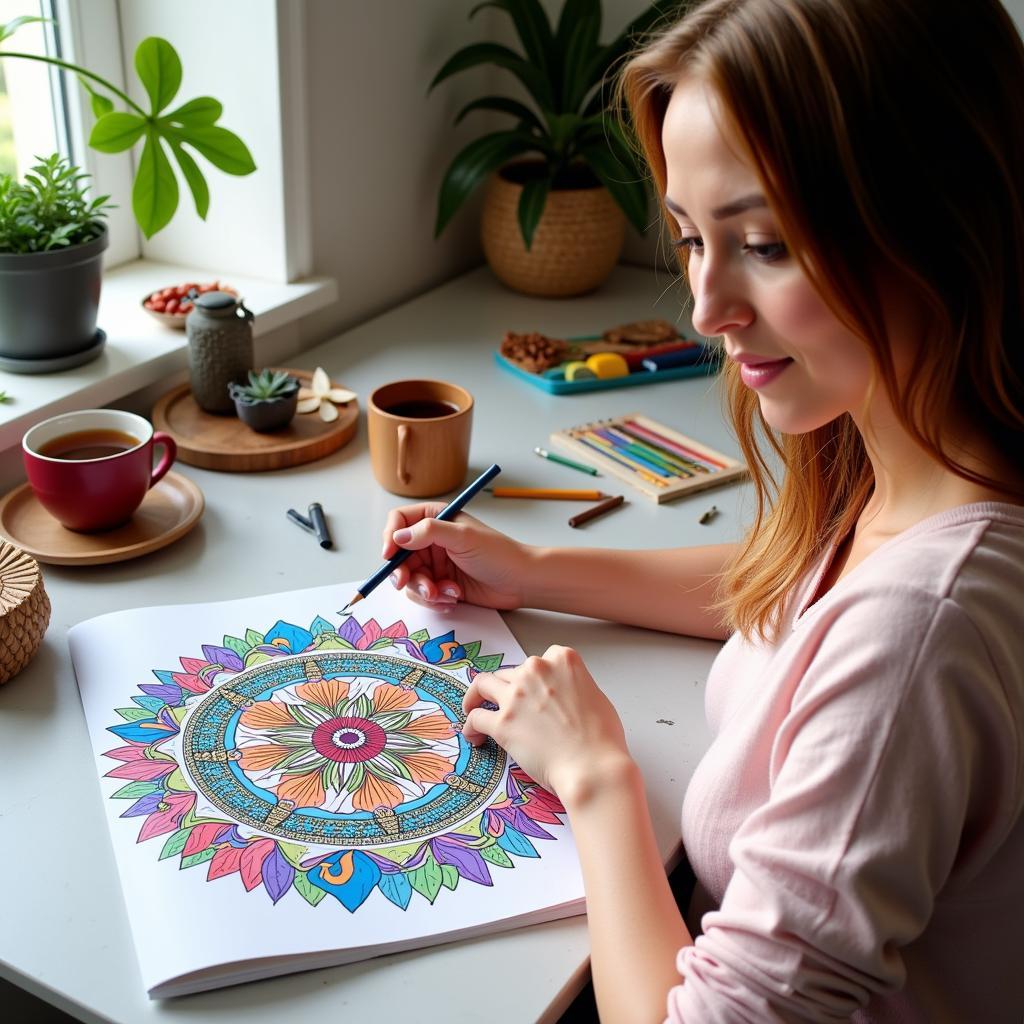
{"x": 751, "y": 202}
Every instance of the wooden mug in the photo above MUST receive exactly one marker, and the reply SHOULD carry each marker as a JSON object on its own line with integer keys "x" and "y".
{"x": 419, "y": 436}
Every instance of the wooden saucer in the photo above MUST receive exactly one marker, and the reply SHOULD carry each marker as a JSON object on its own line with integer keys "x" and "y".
{"x": 226, "y": 443}
{"x": 169, "y": 510}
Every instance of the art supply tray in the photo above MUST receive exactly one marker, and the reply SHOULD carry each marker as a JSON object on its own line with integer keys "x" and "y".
{"x": 638, "y": 450}
{"x": 558, "y": 386}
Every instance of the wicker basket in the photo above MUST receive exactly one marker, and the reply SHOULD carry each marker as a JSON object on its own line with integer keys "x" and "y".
{"x": 575, "y": 246}
{"x": 24, "y": 610}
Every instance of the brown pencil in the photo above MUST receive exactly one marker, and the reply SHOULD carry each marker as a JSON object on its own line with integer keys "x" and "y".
{"x": 597, "y": 510}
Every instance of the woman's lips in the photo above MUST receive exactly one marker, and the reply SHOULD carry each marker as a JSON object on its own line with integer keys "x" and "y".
{"x": 757, "y": 375}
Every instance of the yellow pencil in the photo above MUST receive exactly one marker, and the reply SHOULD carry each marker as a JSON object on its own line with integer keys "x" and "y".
{"x": 558, "y": 494}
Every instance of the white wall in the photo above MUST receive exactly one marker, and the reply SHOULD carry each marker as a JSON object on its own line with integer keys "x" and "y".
{"x": 373, "y": 127}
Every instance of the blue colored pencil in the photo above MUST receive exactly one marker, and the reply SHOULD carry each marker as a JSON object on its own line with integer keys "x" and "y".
{"x": 450, "y": 511}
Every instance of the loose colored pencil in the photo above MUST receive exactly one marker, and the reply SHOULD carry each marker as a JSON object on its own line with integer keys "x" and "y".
{"x": 673, "y": 446}
{"x": 554, "y": 493}
{"x": 598, "y": 510}
{"x": 562, "y": 460}
{"x": 608, "y": 452}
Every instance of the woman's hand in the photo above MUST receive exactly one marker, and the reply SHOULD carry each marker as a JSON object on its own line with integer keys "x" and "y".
{"x": 553, "y": 720}
{"x": 458, "y": 560}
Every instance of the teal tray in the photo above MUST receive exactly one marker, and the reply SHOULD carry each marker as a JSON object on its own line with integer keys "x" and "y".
{"x": 705, "y": 365}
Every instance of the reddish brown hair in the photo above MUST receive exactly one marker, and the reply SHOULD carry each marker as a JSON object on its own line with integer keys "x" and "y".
{"x": 889, "y": 140}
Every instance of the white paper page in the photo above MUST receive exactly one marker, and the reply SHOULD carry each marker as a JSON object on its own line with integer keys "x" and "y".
{"x": 213, "y": 767}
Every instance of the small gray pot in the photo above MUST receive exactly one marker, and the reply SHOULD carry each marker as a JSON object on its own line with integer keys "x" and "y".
{"x": 265, "y": 416}
{"x": 49, "y": 302}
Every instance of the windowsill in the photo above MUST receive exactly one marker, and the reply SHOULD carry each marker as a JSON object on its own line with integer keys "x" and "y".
{"x": 140, "y": 351}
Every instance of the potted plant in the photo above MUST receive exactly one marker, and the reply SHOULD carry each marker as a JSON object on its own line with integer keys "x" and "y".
{"x": 563, "y": 179}
{"x": 51, "y": 234}
{"x": 52, "y": 239}
{"x": 268, "y": 401}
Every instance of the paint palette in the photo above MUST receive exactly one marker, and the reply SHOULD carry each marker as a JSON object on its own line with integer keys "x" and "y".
{"x": 654, "y": 459}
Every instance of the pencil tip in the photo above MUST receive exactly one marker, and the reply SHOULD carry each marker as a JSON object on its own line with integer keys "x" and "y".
{"x": 355, "y": 600}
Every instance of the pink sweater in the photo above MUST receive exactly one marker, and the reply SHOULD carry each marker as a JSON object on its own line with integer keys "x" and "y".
{"x": 857, "y": 821}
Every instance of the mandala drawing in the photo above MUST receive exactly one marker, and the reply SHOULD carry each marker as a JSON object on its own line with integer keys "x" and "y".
{"x": 329, "y": 761}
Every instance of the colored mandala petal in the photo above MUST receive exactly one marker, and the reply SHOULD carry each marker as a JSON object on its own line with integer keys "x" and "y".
{"x": 305, "y": 790}
{"x": 427, "y": 767}
{"x": 278, "y": 874}
{"x": 429, "y": 727}
{"x": 375, "y": 792}
{"x": 259, "y": 757}
{"x": 267, "y": 714}
{"x": 388, "y": 697}
{"x": 325, "y": 692}
{"x": 349, "y": 876}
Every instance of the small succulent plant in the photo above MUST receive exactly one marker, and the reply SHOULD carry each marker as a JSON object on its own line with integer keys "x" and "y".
{"x": 265, "y": 386}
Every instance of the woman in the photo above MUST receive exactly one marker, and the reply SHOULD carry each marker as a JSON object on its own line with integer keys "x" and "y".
{"x": 842, "y": 178}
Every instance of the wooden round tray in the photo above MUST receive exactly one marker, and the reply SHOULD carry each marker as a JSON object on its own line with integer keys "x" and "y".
{"x": 170, "y": 509}
{"x": 226, "y": 443}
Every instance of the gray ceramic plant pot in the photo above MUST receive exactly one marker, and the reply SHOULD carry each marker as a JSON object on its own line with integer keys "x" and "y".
{"x": 265, "y": 416}
{"x": 49, "y": 302}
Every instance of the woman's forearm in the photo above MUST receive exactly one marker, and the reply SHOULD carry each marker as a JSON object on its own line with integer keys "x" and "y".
{"x": 668, "y": 589}
{"x": 636, "y": 929}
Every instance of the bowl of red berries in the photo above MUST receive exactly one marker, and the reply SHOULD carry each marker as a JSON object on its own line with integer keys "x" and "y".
{"x": 172, "y": 304}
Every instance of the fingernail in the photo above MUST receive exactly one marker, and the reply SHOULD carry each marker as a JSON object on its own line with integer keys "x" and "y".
{"x": 401, "y": 536}
{"x": 394, "y": 580}
{"x": 422, "y": 591}
{"x": 451, "y": 591}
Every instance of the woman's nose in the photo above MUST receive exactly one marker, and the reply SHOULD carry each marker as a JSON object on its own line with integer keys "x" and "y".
{"x": 719, "y": 302}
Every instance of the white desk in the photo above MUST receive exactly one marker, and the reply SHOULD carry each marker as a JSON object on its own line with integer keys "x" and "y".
{"x": 63, "y": 929}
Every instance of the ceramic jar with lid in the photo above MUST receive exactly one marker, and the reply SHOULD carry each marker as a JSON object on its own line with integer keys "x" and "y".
{"x": 220, "y": 350}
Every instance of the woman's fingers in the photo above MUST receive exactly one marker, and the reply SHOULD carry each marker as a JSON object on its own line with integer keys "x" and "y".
{"x": 486, "y": 686}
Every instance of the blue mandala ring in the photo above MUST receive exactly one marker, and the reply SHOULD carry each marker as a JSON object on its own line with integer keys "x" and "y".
{"x": 340, "y": 745}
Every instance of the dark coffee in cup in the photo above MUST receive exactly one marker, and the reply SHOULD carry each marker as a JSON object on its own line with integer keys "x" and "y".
{"x": 89, "y": 444}
{"x": 422, "y": 409}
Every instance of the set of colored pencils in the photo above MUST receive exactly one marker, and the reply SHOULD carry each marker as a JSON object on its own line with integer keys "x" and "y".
{"x": 655, "y": 458}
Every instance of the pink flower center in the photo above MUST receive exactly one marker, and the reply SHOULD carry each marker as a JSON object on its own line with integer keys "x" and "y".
{"x": 349, "y": 739}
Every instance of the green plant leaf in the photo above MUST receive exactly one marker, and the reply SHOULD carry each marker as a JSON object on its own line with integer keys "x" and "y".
{"x": 116, "y": 131}
{"x": 531, "y": 207}
{"x": 574, "y": 13}
{"x": 473, "y": 164}
{"x": 100, "y": 104}
{"x": 159, "y": 67}
{"x": 532, "y": 77}
{"x": 155, "y": 193}
{"x": 505, "y": 106}
{"x": 8, "y": 30}
{"x": 581, "y": 60}
{"x": 201, "y": 110}
{"x": 532, "y": 27}
{"x": 224, "y": 149}
{"x": 628, "y": 190}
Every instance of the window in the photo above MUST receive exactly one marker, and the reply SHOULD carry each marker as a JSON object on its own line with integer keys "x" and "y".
{"x": 32, "y": 121}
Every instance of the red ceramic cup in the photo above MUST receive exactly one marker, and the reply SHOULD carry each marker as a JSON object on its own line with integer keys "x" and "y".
{"x": 91, "y": 469}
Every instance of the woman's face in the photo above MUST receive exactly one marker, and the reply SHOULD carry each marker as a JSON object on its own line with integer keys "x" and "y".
{"x": 806, "y": 367}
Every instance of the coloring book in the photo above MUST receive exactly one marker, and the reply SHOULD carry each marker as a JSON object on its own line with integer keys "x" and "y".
{"x": 287, "y": 787}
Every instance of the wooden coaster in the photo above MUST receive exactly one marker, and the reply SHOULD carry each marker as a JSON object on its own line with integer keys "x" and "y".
{"x": 226, "y": 443}
{"x": 169, "y": 511}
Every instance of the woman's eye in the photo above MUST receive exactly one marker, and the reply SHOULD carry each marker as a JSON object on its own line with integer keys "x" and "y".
{"x": 767, "y": 252}
{"x": 689, "y": 244}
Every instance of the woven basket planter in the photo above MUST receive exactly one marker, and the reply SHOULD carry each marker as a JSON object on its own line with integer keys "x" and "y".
{"x": 575, "y": 246}
{"x": 24, "y": 610}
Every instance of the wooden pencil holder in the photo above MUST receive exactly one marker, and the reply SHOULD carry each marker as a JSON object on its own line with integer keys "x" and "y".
{"x": 708, "y": 468}
{"x": 24, "y": 610}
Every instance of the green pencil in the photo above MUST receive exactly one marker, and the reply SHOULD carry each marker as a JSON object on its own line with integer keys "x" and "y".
{"x": 545, "y": 454}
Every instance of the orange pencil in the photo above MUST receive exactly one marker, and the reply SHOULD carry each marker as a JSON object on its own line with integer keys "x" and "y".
{"x": 547, "y": 492}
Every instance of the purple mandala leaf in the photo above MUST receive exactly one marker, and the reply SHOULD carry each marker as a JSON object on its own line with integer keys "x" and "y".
{"x": 278, "y": 874}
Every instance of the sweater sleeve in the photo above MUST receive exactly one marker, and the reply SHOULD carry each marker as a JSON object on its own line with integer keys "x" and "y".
{"x": 885, "y": 778}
